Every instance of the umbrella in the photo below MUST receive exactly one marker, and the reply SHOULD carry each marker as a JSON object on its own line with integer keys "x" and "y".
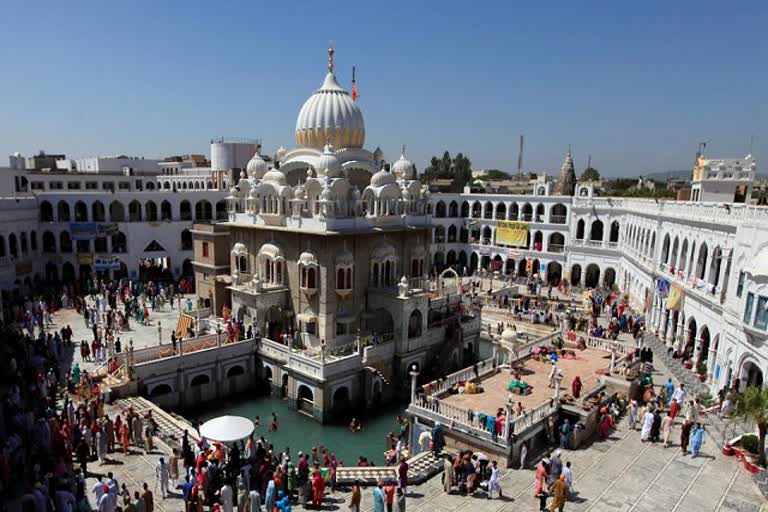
{"x": 227, "y": 428}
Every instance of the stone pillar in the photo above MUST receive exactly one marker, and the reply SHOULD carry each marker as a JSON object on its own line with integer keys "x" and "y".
{"x": 558, "y": 380}
{"x": 507, "y": 418}
{"x": 613, "y": 360}
{"x": 495, "y": 352}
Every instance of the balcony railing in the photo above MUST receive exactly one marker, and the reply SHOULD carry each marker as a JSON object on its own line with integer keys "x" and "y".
{"x": 557, "y": 219}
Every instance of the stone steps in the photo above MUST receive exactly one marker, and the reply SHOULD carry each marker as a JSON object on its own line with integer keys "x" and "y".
{"x": 169, "y": 429}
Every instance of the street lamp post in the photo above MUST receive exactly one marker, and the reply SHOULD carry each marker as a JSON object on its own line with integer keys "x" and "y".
{"x": 414, "y": 374}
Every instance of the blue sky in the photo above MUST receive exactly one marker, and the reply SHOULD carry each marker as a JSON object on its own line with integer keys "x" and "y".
{"x": 636, "y": 85}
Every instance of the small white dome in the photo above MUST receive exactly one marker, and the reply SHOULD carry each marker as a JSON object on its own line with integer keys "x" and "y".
{"x": 382, "y": 178}
{"x": 280, "y": 154}
{"x": 257, "y": 167}
{"x": 328, "y": 164}
{"x": 508, "y": 335}
{"x": 275, "y": 176}
{"x": 404, "y": 168}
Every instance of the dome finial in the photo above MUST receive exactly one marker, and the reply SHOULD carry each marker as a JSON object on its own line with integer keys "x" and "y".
{"x": 331, "y": 51}
{"x": 402, "y": 152}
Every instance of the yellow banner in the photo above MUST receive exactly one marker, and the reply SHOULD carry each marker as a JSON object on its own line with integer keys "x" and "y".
{"x": 512, "y": 233}
{"x": 675, "y": 298}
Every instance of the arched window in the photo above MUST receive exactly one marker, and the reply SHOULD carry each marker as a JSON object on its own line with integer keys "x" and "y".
{"x": 596, "y": 233}
{"x": 580, "y": 230}
{"x": 2, "y": 247}
{"x": 81, "y": 212}
{"x": 65, "y": 242}
{"x": 46, "y": 212}
{"x": 116, "y": 211}
{"x": 308, "y": 277}
{"x": 186, "y": 240}
{"x": 13, "y": 247}
{"x": 98, "y": 212}
{"x": 49, "y": 243}
{"x": 166, "y": 212}
{"x": 151, "y": 211}
{"x": 33, "y": 240}
{"x": 558, "y": 214}
{"x": 614, "y": 235}
{"x": 23, "y": 239}
{"x": 203, "y": 211}
{"x": 134, "y": 211}
{"x": 221, "y": 210}
{"x": 185, "y": 210}
{"x": 63, "y": 211}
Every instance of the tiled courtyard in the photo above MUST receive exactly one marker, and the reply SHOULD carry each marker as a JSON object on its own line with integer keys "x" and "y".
{"x": 536, "y": 374}
{"x": 620, "y": 474}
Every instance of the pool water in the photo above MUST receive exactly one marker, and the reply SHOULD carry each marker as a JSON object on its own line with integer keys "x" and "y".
{"x": 301, "y": 433}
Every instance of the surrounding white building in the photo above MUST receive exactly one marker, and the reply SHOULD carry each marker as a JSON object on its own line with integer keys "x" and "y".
{"x": 712, "y": 251}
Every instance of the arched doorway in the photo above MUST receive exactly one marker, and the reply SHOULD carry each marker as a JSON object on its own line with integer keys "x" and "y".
{"x": 414, "y": 324}
{"x": 554, "y": 273}
{"x": 610, "y": 277}
{"x": 592, "y": 278}
{"x": 703, "y": 355}
{"x": 305, "y": 400}
{"x": 68, "y": 272}
{"x": 576, "y": 275}
{"x": 341, "y": 401}
{"x": 751, "y": 375}
{"x": 690, "y": 340}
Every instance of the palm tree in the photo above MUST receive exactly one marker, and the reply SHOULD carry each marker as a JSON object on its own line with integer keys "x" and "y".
{"x": 752, "y": 405}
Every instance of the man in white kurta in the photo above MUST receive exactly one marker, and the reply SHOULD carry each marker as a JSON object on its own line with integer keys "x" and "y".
{"x": 645, "y": 434}
{"x": 226, "y": 498}
{"x": 164, "y": 475}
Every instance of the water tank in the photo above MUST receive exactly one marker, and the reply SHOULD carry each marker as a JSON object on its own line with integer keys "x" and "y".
{"x": 229, "y": 154}
{"x": 18, "y": 162}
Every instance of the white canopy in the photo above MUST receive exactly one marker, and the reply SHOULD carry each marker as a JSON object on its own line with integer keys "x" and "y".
{"x": 227, "y": 429}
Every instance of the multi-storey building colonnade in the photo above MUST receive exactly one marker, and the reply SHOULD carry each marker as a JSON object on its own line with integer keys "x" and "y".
{"x": 716, "y": 254}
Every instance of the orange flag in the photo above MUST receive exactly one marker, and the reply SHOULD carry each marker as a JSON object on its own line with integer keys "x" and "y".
{"x": 355, "y": 94}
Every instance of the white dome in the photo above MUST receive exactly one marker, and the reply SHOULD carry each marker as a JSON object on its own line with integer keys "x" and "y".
{"x": 404, "y": 168}
{"x": 257, "y": 167}
{"x": 328, "y": 164}
{"x": 382, "y": 178}
{"x": 508, "y": 336}
{"x": 280, "y": 154}
{"x": 330, "y": 114}
{"x": 275, "y": 176}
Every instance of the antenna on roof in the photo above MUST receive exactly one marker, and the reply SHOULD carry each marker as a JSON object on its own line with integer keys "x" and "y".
{"x": 589, "y": 161}
{"x": 751, "y": 142}
{"x": 520, "y": 156}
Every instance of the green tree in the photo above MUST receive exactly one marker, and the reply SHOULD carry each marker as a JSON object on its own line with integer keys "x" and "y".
{"x": 590, "y": 174}
{"x": 752, "y": 405}
{"x": 458, "y": 169}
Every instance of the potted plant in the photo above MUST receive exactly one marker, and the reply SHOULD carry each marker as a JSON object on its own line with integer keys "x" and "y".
{"x": 701, "y": 371}
{"x": 752, "y": 405}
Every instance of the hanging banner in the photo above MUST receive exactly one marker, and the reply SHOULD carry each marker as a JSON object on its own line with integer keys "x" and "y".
{"x": 512, "y": 233}
{"x": 675, "y": 298}
{"x": 91, "y": 230}
{"x": 85, "y": 259}
{"x": 662, "y": 287}
{"x": 106, "y": 263}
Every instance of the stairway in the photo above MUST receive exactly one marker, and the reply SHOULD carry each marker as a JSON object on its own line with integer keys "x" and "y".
{"x": 169, "y": 428}
{"x": 721, "y": 429}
